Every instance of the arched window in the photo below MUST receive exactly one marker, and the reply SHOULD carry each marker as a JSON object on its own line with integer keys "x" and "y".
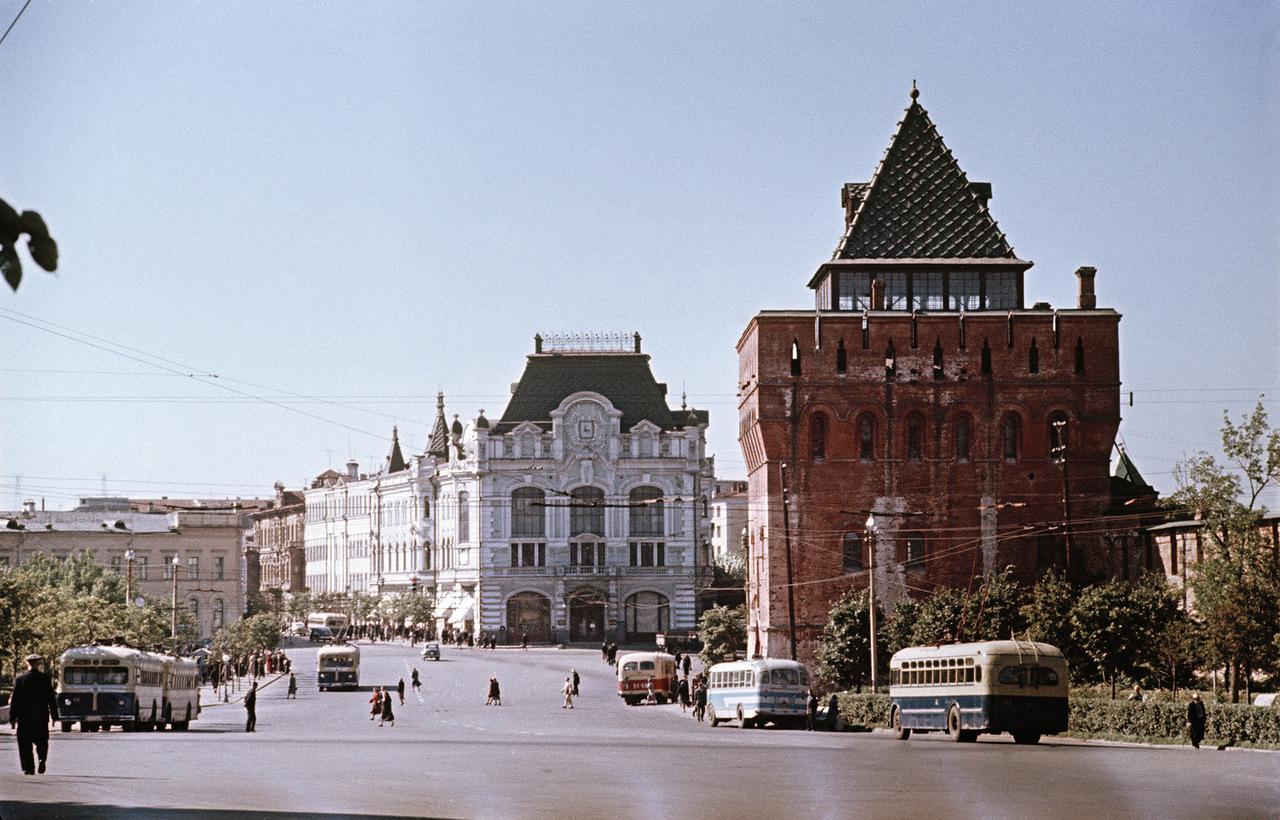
{"x": 1058, "y": 436}
{"x": 852, "y": 545}
{"x": 464, "y": 518}
{"x": 528, "y": 507}
{"x": 586, "y": 511}
{"x": 795, "y": 359}
{"x": 867, "y": 438}
{"x": 1079, "y": 355}
{"x": 193, "y": 606}
{"x": 1033, "y": 358}
{"x": 842, "y": 359}
{"x": 528, "y": 447}
{"x": 1012, "y": 434}
{"x": 219, "y": 613}
{"x": 818, "y": 436}
{"x": 962, "y": 438}
{"x": 915, "y": 437}
{"x": 646, "y": 512}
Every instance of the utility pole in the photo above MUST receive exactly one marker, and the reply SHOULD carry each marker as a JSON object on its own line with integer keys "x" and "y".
{"x": 786, "y": 538}
{"x": 1059, "y": 454}
{"x": 173, "y": 570}
{"x": 871, "y": 594}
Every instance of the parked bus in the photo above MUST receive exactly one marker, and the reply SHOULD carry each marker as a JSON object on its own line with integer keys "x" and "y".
{"x": 636, "y": 669}
{"x": 758, "y": 691}
{"x": 181, "y": 692}
{"x": 968, "y": 689}
{"x": 105, "y": 686}
{"x": 338, "y": 667}
{"x": 335, "y": 622}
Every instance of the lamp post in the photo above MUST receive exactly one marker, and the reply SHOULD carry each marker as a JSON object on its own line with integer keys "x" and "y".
{"x": 129, "y": 555}
{"x": 871, "y": 593}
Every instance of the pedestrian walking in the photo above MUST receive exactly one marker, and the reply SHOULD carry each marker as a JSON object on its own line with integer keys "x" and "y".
{"x": 1197, "y": 716}
{"x": 400, "y": 690}
{"x": 524, "y": 641}
{"x": 810, "y": 711}
{"x": 387, "y": 716}
{"x": 576, "y": 679}
{"x": 32, "y": 707}
{"x": 293, "y": 687}
{"x": 415, "y": 682}
{"x": 684, "y": 694}
{"x": 251, "y": 708}
{"x": 495, "y": 694}
{"x": 699, "y": 701}
{"x": 376, "y": 700}
{"x": 604, "y": 651}
{"x": 567, "y": 691}
{"x": 650, "y": 696}
{"x": 686, "y": 666}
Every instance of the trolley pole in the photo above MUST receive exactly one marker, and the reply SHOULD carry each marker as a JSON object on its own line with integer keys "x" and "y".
{"x": 871, "y": 595}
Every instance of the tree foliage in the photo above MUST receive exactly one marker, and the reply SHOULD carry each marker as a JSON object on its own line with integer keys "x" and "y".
{"x": 844, "y": 651}
{"x": 247, "y": 635}
{"x": 723, "y": 631}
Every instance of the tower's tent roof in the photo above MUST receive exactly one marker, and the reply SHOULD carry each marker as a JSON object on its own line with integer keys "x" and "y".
{"x": 623, "y": 378}
{"x": 439, "y": 444}
{"x": 919, "y": 204}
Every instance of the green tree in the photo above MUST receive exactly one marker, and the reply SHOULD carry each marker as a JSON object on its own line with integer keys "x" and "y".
{"x": 723, "y": 632}
{"x": 13, "y": 226}
{"x": 939, "y": 617}
{"x": 1237, "y": 583}
{"x": 994, "y": 612}
{"x": 252, "y": 634}
{"x": 844, "y": 650}
{"x": 899, "y": 629}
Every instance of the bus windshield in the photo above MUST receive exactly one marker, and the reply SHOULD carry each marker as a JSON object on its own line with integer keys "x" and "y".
{"x": 79, "y": 676}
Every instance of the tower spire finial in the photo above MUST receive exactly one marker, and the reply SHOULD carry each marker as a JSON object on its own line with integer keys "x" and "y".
{"x": 915, "y": 92}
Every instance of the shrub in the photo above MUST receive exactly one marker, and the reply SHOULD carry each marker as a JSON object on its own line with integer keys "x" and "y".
{"x": 1152, "y": 719}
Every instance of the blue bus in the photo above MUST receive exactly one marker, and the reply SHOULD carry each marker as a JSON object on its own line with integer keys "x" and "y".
{"x": 758, "y": 691}
{"x": 989, "y": 687}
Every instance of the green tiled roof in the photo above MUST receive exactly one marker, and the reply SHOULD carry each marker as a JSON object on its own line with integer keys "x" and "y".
{"x": 623, "y": 378}
{"x": 919, "y": 204}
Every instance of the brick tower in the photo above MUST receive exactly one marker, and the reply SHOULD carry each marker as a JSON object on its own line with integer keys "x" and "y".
{"x": 920, "y": 423}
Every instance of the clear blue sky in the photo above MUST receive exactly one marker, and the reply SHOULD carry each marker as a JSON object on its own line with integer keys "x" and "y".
{"x": 345, "y": 208}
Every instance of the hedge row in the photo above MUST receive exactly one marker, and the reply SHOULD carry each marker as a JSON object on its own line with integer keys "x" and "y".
{"x": 1228, "y": 723}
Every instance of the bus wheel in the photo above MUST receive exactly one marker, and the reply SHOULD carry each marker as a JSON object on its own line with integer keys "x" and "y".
{"x": 896, "y": 721}
{"x": 953, "y": 724}
{"x": 743, "y": 723}
{"x": 711, "y": 714}
{"x": 1026, "y": 738}
{"x": 84, "y": 726}
{"x": 66, "y": 726}
{"x": 167, "y": 719}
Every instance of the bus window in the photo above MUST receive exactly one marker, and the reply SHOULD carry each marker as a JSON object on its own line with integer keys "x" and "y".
{"x": 786, "y": 677}
{"x": 1013, "y": 674}
{"x": 629, "y": 666}
{"x": 646, "y": 664}
{"x": 968, "y": 674}
{"x": 1042, "y": 676}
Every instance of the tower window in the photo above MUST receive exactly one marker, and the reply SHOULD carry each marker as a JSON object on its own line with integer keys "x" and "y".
{"x": 842, "y": 359}
{"x": 986, "y": 358}
{"x": 1079, "y": 355}
{"x": 915, "y": 433}
{"x": 867, "y": 438}
{"x": 1033, "y": 358}
{"x": 937, "y": 359}
{"x": 962, "y": 438}
{"x": 1011, "y": 435}
{"x": 852, "y": 552}
{"x": 818, "y": 437}
{"x": 795, "y": 359}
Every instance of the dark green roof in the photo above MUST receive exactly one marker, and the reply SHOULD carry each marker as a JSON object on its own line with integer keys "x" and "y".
{"x": 919, "y": 204}
{"x": 623, "y": 378}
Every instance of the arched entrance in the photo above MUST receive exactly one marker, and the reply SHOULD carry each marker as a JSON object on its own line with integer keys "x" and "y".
{"x": 529, "y": 613}
{"x": 647, "y": 614}
{"x": 587, "y": 615}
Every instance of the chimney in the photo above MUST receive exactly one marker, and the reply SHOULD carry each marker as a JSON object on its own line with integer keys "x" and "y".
{"x": 353, "y": 470}
{"x": 1088, "y": 301}
{"x": 877, "y": 294}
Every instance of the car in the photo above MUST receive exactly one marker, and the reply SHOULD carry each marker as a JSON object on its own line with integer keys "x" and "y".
{"x": 321, "y": 634}
{"x": 431, "y": 651}
{"x": 298, "y": 629}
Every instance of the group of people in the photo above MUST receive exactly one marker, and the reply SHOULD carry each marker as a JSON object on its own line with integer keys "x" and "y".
{"x": 381, "y": 701}
{"x": 255, "y": 664}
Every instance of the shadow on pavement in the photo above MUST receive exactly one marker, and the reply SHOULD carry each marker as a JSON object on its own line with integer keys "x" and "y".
{"x": 17, "y": 810}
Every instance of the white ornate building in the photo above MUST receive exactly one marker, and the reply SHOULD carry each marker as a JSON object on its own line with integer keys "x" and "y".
{"x": 581, "y": 515}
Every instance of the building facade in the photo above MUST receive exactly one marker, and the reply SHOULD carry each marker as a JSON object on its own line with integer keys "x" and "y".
{"x": 370, "y": 533}
{"x": 275, "y": 556}
{"x": 198, "y": 549}
{"x": 579, "y": 516}
{"x": 920, "y": 424}
{"x": 728, "y": 525}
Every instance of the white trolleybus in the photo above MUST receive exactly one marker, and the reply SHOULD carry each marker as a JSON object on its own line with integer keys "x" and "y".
{"x": 335, "y": 622}
{"x": 758, "y": 691}
{"x": 637, "y": 669}
{"x": 968, "y": 689}
{"x": 338, "y": 667}
{"x": 105, "y": 686}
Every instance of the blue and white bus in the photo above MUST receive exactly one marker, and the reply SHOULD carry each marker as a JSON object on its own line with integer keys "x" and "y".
{"x": 989, "y": 687}
{"x": 758, "y": 691}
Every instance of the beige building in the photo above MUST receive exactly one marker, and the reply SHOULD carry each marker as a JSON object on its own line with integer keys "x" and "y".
{"x": 203, "y": 547}
{"x": 275, "y": 559}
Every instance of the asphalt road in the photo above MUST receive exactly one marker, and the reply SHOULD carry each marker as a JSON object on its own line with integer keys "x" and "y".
{"x": 449, "y": 755}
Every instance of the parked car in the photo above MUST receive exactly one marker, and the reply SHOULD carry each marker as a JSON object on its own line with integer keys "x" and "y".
{"x": 431, "y": 651}
{"x": 321, "y": 634}
{"x": 298, "y": 629}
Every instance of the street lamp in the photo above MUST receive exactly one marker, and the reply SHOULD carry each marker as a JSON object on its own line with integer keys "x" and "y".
{"x": 129, "y": 555}
{"x": 871, "y": 593}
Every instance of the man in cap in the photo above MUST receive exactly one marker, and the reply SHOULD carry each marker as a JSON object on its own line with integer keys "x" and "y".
{"x": 32, "y": 707}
